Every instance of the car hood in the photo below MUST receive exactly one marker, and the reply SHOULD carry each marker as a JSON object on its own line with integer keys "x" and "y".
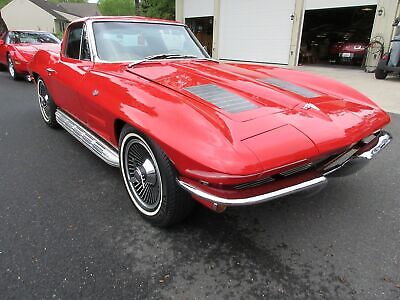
{"x": 329, "y": 114}
{"x": 267, "y": 98}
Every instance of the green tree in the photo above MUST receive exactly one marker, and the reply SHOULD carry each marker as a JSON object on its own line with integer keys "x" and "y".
{"x": 116, "y": 7}
{"x": 137, "y": 7}
{"x": 162, "y": 9}
{"x": 3, "y": 25}
{"x": 3, "y": 3}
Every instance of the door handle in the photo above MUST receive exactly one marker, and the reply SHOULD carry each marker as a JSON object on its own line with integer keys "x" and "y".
{"x": 50, "y": 71}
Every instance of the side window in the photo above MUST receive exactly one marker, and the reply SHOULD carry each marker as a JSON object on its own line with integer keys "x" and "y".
{"x": 74, "y": 42}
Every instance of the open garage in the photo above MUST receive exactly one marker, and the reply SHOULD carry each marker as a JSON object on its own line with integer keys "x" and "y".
{"x": 338, "y": 35}
{"x": 289, "y": 32}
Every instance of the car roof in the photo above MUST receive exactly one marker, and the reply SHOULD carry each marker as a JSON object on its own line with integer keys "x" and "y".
{"x": 126, "y": 19}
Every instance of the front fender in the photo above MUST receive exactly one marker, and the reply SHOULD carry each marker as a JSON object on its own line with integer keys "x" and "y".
{"x": 40, "y": 61}
{"x": 195, "y": 142}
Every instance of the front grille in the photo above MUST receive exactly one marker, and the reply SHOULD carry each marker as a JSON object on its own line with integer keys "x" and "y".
{"x": 297, "y": 170}
{"x": 253, "y": 183}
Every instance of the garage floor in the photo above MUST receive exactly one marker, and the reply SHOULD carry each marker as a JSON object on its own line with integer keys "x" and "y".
{"x": 386, "y": 93}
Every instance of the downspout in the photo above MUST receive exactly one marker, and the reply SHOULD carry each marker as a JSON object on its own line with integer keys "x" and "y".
{"x": 216, "y": 29}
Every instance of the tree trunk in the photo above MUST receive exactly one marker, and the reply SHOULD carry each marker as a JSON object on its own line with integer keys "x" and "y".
{"x": 3, "y": 25}
{"x": 137, "y": 7}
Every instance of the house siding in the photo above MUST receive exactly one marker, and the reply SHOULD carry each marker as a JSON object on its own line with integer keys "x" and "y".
{"x": 24, "y": 15}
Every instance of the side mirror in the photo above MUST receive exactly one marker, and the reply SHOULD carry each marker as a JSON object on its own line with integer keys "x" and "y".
{"x": 1, "y": 42}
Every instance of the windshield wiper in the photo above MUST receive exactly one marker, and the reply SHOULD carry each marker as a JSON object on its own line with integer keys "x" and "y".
{"x": 160, "y": 56}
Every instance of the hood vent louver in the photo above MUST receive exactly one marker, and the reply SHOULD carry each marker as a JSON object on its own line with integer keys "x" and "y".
{"x": 221, "y": 98}
{"x": 291, "y": 87}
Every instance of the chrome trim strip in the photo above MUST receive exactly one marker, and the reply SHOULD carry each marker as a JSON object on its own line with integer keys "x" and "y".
{"x": 103, "y": 150}
{"x": 360, "y": 159}
{"x": 384, "y": 139}
{"x": 255, "y": 199}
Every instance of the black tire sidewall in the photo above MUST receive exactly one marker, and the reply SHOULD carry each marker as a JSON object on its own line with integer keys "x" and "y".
{"x": 380, "y": 74}
{"x": 167, "y": 214}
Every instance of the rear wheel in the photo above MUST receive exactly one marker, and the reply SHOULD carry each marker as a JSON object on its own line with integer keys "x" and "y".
{"x": 46, "y": 104}
{"x": 380, "y": 74}
{"x": 150, "y": 180}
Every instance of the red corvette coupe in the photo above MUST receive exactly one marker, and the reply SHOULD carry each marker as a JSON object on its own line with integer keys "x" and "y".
{"x": 17, "y": 48}
{"x": 348, "y": 52}
{"x": 143, "y": 95}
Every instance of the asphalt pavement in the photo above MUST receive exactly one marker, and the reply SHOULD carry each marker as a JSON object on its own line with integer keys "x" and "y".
{"x": 68, "y": 229}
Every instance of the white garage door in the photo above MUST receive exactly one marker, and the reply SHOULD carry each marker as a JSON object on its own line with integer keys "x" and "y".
{"x": 256, "y": 30}
{"x": 196, "y": 8}
{"x": 318, "y": 4}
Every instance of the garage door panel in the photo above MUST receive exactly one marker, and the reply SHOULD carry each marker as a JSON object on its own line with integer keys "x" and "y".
{"x": 196, "y": 8}
{"x": 320, "y": 4}
{"x": 256, "y": 30}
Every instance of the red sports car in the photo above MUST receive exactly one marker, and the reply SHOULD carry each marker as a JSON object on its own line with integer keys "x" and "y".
{"x": 143, "y": 95}
{"x": 348, "y": 52}
{"x": 17, "y": 48}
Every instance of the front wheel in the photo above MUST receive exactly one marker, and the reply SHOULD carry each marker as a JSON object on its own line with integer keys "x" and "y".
{"x": 46, "y": 104}
{"x": 380, "y": 74}
{"x": 150, "y": 180}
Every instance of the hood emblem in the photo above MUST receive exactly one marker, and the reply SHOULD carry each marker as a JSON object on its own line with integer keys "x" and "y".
{"x": 308, "y": 106}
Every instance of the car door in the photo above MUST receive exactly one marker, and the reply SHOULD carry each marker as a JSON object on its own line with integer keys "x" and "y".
{"x": 67, "y": 75}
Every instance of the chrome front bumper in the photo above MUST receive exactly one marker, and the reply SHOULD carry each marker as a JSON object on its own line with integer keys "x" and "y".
{"x": 349, "y": 162}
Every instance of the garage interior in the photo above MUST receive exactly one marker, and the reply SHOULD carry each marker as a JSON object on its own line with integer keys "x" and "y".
{"x": 336, "y": 36}
{"x": 202, "y": 27}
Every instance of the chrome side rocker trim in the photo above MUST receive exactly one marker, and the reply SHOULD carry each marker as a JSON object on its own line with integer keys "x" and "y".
{"x": 103, "y": 150}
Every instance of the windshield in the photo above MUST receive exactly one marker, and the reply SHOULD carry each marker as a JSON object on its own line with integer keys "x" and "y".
{"x": 21, "y": 37}
{"x": 129, "y": 41}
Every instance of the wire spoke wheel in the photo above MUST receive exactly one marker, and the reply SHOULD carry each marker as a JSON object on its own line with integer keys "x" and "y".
{"x": 141, "y": 174}
{"x": 44, "y": 100}
{"x": 11, "y": 68}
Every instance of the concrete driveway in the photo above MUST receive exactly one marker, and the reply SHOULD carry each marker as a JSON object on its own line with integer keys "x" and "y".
{"x": 384, "y": 92}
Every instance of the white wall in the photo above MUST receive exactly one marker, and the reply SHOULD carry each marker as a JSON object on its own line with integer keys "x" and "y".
{"x": 256, "y": 30}
{"x": 318, "y": 4}
{"x": 23, "y": 14}
{"x": 198, "y": 8}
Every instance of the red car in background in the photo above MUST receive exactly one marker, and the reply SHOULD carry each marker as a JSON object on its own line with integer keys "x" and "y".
{"x": 348, "y": 52}
{"x": 144, "y": 95}
{"x": 17, "y": 48}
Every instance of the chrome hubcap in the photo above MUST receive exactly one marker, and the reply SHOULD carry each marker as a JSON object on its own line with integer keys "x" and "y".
{"x": 11, "y": 67}
{"x": 44, "y": 98}
{"x": 141, "y": 174}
